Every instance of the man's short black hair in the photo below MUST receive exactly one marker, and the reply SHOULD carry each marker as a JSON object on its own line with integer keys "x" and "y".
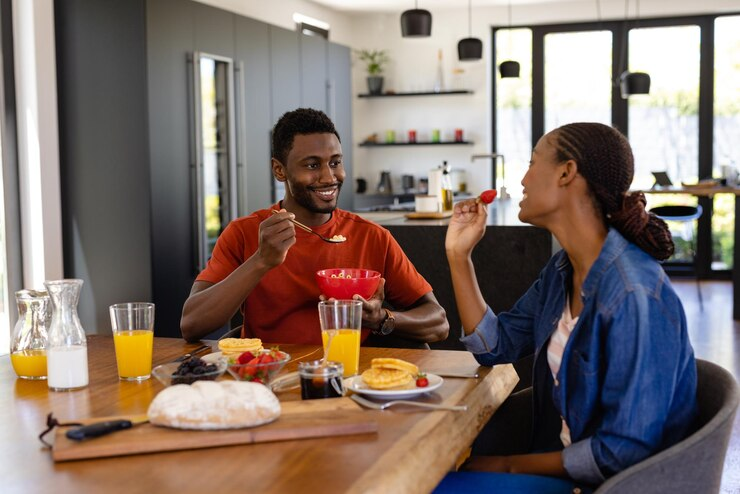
{"x": 298, "y": 122}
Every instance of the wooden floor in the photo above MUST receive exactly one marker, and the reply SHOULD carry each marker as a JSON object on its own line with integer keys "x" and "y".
{"x": 716, "y": 337}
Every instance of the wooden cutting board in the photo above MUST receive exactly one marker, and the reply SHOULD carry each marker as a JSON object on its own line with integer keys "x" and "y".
{"x": 298, "y": 420}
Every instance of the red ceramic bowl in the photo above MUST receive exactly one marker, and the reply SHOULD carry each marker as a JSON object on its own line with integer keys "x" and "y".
{"x": 343, "y": 283}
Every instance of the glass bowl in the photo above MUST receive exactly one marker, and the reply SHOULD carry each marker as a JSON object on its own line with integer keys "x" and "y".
{"x": 260, "y": 369}
{"x": 343, "y": 283}
{"x": 167, "y": 373}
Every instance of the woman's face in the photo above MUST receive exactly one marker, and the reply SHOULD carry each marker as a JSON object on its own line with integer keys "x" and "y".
{"x": 542, "y": 190}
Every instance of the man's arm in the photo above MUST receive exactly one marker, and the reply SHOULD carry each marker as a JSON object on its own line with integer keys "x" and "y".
{"x": 425, "y": 320}
{"x": 210, "y": 305}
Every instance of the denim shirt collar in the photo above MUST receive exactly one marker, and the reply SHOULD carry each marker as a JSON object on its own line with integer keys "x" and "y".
{"x": 613, "y": 247}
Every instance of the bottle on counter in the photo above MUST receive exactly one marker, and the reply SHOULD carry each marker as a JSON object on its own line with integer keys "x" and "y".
{"x": 435, "y": 186}
{"x": 446, "y": 186}
{"x": 67, "y": 348}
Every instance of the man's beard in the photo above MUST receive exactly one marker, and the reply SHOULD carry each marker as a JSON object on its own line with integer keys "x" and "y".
{"x": 303, "y": 197}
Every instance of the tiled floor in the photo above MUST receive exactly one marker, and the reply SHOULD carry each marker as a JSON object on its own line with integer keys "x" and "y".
{"x": 716, "y": 337}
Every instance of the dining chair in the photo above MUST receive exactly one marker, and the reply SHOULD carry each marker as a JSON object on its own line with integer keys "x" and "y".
{"x": 685, "y": 216}
{"x": 696, "y": 463}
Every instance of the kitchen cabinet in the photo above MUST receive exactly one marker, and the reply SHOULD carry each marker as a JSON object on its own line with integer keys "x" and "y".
{"x": 126, "y": 136}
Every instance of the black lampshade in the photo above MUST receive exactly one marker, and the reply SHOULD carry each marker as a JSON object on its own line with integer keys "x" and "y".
{"x": 416, "y": 23}
{"x": 634, "y": 83}
{"x": 469, "y": 49}
{"x": 509, "y": 68}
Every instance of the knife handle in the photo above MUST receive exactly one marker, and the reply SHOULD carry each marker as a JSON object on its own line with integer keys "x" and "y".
{"x": 98, "y": 429}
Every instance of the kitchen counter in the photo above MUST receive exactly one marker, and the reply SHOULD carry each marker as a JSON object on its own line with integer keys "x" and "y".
{"x": 507, "y": 260}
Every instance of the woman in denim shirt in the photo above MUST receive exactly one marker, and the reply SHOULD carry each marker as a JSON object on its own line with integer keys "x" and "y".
{"x": 614, "y": 370}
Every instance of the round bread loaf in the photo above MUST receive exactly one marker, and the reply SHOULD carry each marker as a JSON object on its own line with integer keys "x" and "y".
{"x": 214, "y": 405}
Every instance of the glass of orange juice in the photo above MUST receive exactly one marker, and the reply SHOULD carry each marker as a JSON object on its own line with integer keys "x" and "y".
{"x": 341, "y": 321}
{"x": 133, "y": 337}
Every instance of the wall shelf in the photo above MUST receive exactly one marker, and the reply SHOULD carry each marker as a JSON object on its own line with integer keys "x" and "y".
{"x": 421, "y": 93}
{"x": 442, "y": 143}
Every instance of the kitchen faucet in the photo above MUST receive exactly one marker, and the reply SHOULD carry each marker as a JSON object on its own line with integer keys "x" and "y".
{"x": 494, "y": 156}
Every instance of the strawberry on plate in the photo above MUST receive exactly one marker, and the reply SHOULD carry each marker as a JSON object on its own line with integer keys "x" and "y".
{"x": 421, "y": 380}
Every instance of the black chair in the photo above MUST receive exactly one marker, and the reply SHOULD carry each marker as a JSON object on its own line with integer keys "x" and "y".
{"x": 685, "y": 216}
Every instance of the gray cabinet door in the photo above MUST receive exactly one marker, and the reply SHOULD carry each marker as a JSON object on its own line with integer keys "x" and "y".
{"x": 252, "y": 40}
{"x": 313, "y": 72}
{"x": 339, "y": 109}
{"x": 285, "y": 71}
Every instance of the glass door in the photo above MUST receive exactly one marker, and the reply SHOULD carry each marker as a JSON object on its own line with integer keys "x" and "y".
{"x": 214, "y": 173}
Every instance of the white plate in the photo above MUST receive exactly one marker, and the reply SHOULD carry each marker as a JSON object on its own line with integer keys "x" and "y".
{"x": 357, "y": 385}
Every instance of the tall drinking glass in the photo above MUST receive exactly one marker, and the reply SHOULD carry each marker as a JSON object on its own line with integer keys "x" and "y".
{"x": 341, "y": 321}
{"x": 133, "y": 337}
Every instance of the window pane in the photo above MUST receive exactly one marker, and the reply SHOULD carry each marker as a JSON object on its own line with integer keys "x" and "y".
{"x": 663, "y": 126}
{"x": 578, "y": 78}
{"x": 726, "y": 132}
{"x": 514, "y": 108}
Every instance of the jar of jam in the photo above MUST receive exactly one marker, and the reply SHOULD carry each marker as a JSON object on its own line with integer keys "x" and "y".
{"x": 321, "y": 381}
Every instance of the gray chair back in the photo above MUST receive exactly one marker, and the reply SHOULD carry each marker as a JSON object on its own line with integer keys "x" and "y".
{"x": 694, "y": 464}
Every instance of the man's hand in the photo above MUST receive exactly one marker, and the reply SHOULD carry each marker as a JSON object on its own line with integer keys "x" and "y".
{"x": 277, "y": 236}
{"x": 373, "y": 314}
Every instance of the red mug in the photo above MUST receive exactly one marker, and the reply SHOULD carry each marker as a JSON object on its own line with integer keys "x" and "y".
{"x": 412, "y": 136}
{"x": 458, "y": 135}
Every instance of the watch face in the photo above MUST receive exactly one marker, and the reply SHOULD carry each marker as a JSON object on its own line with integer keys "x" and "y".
{"x": 388, "y": 325}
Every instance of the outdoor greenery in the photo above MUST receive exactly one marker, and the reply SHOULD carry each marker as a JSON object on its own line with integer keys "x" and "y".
{"x": 375, "y": 60}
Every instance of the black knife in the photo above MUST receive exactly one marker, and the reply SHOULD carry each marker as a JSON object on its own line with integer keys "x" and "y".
{"x": 99, "y": 429}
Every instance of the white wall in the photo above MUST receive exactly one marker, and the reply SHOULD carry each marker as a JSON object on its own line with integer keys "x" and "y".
{"x": 413, "y": 68}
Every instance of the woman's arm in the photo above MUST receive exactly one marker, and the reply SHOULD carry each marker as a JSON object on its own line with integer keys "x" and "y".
{"x": 466, "y": 229}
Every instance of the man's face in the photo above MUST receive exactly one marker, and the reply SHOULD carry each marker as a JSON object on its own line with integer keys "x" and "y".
{"x": 313, "y": 173}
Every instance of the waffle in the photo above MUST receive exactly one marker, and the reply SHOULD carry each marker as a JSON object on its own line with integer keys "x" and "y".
{"x": 377, "y": 378}
{"x": 394, "y": 363}
{"x": 233, "y": 347}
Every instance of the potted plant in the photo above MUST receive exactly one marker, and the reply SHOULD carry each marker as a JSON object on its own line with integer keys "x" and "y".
{"x": 375, "y": 61}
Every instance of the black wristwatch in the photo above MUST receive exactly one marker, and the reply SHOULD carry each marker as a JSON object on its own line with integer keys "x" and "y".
{"x": 389, "y": 324}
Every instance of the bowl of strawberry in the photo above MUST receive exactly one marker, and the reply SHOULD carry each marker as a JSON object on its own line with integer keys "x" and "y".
{"x": 260, "y": 368}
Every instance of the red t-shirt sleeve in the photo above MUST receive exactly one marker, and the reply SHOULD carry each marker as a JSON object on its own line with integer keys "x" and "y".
{"x": 228, "y": 254}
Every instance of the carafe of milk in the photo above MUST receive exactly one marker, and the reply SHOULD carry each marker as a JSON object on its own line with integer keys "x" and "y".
{"x": 67, "y": 348}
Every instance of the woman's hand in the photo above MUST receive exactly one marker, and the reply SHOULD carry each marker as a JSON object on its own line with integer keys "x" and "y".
{"x": 467, "y": 227}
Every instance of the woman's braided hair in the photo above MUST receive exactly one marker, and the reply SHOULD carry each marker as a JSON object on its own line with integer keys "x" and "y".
{"x": 604, "y": 159}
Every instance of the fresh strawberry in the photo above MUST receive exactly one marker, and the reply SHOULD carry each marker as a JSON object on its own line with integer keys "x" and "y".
{"x": 247, "y": 372}
{"x": 487, "y": 196}
{"x": 245, "y": 357}
{"x": 421, "y": 380}
{"x": 267, "y": 358}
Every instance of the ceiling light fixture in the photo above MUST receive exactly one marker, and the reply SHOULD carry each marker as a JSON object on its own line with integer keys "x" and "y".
{"x": 470, "y": 48}
{"x": 631, "y": 82}
{"x": 416, "y": 23}
{"x": 509, "y": 68}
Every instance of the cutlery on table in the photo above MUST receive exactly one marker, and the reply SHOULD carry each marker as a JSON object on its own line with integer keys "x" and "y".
{"x": 472, "y": 375}
{"x": 308, "y": 229}
{"x": 198, "y": 350}
{"x": 382, "y": 406}
{"x": 101, "y": 428}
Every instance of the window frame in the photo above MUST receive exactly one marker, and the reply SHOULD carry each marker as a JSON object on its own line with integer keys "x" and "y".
{"x": 619, "y": 107}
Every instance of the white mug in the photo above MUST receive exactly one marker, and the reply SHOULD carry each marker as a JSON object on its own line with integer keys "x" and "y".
{"x": 426, "y": 204}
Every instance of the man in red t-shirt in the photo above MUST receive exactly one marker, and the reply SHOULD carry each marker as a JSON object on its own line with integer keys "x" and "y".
{"x": 266, "y": 266}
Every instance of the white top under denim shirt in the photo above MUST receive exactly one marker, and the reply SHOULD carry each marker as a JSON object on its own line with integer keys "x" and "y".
{"x": 626, "y": 386}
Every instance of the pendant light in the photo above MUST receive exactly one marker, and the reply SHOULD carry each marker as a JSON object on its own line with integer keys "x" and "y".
{"x": 631, "y": 82}
{"x": 469, "y": 48}
{"x": 416, "y": 23}
{"x": 509, "y": 68}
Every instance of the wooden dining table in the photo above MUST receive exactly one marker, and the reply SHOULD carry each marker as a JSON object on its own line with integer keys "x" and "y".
{"x": 410, "y": 451}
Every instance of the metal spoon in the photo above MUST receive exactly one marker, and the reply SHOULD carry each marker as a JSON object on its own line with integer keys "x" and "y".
{"x": 304, "y": 227}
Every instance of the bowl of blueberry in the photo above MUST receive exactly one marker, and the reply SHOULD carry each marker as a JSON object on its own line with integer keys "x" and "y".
{"x": 189, "y": 370}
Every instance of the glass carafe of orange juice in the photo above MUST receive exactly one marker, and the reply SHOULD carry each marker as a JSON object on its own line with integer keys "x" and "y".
{"x": 29, "y": 340}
